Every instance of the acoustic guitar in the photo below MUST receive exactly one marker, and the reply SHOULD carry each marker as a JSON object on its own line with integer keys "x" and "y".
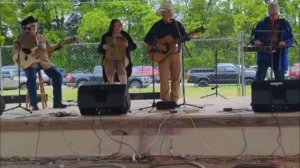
{"x": 30, "y": 44}
{"x": 166, "y": 46}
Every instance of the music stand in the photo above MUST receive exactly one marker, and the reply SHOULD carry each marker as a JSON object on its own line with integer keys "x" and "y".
{"x": 19, "y": 83}
{"x": 216, "y": 82}
{"x": 272, "y": 47}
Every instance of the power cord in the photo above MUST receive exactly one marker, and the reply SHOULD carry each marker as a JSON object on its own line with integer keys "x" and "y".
{"x": 236, "y": 112}
{"x": 279, "y": 137}
{"x": 117, "y": 141}
{"x": 62, "y": 114}
{"x": 99, "y": 138}
{"x": 158, "y": 132}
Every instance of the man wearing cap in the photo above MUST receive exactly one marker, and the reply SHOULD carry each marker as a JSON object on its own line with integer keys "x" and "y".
{"x": 169, "y": 68}
{"x": 30, "y": 24}
{"x": 273, "y": 31}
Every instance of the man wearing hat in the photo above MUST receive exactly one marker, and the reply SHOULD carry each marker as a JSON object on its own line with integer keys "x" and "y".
{"x": 169, "y": 68}
{"x": 30, "y": 24}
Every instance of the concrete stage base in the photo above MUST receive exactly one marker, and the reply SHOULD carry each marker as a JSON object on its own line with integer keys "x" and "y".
{"x": 190, "y": 131}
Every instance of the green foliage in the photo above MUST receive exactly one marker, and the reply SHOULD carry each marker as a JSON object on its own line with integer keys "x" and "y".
{"x": 94, "y": 24}
{"x": 88, "y": 20}
{"x": 2, "y": 39}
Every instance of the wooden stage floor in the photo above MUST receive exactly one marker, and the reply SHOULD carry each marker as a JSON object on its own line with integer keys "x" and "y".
{"x": 208, "y": 131}
{"x": 211, "y": 106}
{"x": 211, "y": 114}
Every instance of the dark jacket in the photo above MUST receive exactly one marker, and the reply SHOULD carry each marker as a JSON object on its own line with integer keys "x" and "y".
{"x": 286, "y": 35}
{"x": 131, "y": 47}
{"x": 161, "y": 29}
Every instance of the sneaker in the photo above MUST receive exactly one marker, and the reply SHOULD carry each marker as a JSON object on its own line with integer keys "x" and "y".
{"x": 34, "y": 108}
{"x": 60, "y": 105}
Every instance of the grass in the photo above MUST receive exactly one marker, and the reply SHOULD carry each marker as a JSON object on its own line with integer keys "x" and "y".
{"x": 191, "y": 91}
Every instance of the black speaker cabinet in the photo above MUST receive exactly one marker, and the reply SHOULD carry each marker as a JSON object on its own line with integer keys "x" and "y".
{"x": 97, "y": 99}
{"x": 276, "y": 96}
{"x": 2, "y": 105}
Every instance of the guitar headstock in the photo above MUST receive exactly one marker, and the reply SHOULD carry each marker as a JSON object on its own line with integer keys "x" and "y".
{"x": 200, "y": 30}
{"x": 68, "y": 40}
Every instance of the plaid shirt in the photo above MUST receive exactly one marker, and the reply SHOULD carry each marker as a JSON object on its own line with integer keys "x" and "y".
{"x": 274, "y": 34}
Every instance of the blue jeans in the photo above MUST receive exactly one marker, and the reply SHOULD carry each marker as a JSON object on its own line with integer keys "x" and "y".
{"x": 54, "y": 74}
{"x": 263, "y": 68}
{"x": 262, "y": 71}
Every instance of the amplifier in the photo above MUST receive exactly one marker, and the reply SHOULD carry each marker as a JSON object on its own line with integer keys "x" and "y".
{"x": 276, "y": 96}
{"x": 2, "y": 105}
{"x": 97, "y": 99}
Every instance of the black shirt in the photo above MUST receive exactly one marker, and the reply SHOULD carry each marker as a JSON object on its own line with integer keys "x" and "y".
{"x": 161, "y": 29}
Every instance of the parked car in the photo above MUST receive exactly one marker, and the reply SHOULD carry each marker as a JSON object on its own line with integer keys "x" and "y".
{"x": 227, "y": 73}
{"x": 140, "y": 78}
{"x": 10, "y": 79}
{"x": 146, "y": 71}
{"x": 13, "y": 70}
{"x": 77, "y": 79}
{"x": 268, "y": 74}
{"x": 253, "y": 67}
{"x": 10, "y": 67}
{"x": 295, "y": 71}
{"x": 48, "y": 80}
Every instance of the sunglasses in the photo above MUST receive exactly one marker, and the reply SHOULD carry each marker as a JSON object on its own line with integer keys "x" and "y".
{"x": 32, "y": 25}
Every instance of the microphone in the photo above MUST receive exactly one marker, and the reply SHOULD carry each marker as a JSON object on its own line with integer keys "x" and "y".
{"x": 171, "y": 19}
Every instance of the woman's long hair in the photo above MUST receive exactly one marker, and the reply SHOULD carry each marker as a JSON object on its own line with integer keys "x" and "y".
{"x": 111, "y": 25}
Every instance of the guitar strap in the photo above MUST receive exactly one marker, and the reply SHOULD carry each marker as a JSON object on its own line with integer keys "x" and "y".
{"x": 178, "y": 42}
{"x": 36, "y": 39}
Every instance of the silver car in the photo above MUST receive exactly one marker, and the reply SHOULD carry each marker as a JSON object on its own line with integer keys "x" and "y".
{"x": 10, "y": 79}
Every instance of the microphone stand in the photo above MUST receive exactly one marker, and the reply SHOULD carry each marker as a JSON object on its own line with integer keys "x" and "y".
{"x": 153, "y": 82}
{"x": 19, "y": 82}
{"x": 184, "y": 103}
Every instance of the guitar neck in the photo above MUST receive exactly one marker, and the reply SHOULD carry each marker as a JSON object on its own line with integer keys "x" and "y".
{"x": 185, "y": 37}
{"x": 54, "y": 48}
{"x": 57, "y": 47}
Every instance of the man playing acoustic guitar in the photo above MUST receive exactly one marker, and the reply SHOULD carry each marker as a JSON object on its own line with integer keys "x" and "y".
{"x": 169, "y": 61}
{"x": 44, "y": 50}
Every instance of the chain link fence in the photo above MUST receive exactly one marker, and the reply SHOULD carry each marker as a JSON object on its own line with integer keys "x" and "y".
{"x": 209, "y": 64}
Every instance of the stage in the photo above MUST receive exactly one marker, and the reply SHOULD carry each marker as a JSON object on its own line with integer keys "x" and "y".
{"x": 188, "y": 131}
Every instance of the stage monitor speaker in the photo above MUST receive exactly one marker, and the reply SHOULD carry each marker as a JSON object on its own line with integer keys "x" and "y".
{"x": 276, "y": 96}
{"x": 97, "y": 99}
{"x": 166, "y": 105}
{"x": 2, "y": 105}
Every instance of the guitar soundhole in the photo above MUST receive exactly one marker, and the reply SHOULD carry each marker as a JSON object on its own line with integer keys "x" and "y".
{"x": 166, "y": 50}
{"x": 26, "y": 57}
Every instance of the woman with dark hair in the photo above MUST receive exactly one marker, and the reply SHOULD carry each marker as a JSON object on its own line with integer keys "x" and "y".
{"x": 115, "y": 46}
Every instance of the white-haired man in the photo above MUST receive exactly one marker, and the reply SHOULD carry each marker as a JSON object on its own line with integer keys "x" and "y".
{"x": 273, "y": 31}
{"x": 169, "y": 68}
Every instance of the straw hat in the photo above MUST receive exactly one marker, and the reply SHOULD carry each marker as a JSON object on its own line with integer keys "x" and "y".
{"x": 165, "y": 7}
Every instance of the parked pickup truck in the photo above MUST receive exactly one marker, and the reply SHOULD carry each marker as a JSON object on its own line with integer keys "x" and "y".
{"x": 227, "y": 73}
{"x": 78, "y": 78}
